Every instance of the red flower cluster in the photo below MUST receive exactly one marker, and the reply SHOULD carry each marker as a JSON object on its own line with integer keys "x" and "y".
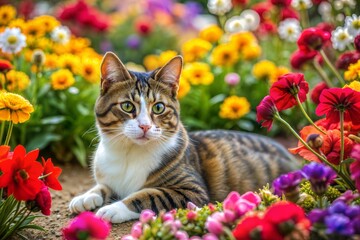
{"x": 82, "y": 13}
{"x": 27, "y": 179}
{"x": 282, "y": 219}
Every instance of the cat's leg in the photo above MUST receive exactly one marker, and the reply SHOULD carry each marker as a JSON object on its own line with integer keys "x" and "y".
{"x": 90, "y": 200}
{"x": 156, "y": 199}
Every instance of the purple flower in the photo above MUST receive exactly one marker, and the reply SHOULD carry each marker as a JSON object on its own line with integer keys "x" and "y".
{"x": 355, "y": 166}
{"x": 319, "y": 175}
{"x": 337, "y": 208}
{"x": 353, "y": 211}
{"x": 338, "y": 224}
{"x": 133, "y": 41}
{"x": 356, "y": 225}
{"x": 288, "y": 184}
{"x": 317, "y": 215}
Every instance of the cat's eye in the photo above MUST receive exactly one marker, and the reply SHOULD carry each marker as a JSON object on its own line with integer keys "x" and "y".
{"x": 127, "y": 107}
{"x": 158, "y": 108}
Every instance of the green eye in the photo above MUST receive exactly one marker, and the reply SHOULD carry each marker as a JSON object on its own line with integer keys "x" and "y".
{"x": 127, "y": 107}
{"x": 158, "y": 108}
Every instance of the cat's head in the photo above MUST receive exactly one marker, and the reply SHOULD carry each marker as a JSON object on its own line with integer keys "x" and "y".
{"x": 138, "y": 107}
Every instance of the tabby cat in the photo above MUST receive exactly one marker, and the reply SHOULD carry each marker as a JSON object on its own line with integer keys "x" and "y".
{"x": 146, "y": 158}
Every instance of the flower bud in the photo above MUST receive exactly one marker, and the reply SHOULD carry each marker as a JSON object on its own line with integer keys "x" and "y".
{"x": 146, "y": 215}
{"x": 168, "y": 217}
{"x": 232, "y": 79}
{"x": 38, "y": 57}
{"x": 136, "y": 230}
{"x": 357, "y": 43}
{"x": 191, "y": 215}
{"x": 214, "y": 226}
{"x": 315, "y": 140}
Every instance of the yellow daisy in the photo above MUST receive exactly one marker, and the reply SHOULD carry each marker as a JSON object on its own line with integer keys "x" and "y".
{"x": 34, "y": 28}
{"x": 195, "y": 49}
{"x": 69, "y": 61}
{"x": 16, "y": 81}
{"x": 14, "y": 107}
{"x": 224, "y": 55}
{"x": 243, "y": 39}
{"x": 211, "y": 34}
{"x": 90, "y": 70}
{"x": 263, "y": 69}
{"x": 353, "y": 72}
{"x": 62, "y": 79}
{"x": 184, "y": 88}
{"x": 166, "y": 56}
{"x": 51, "y": 61}
{"x": 19, "y": 23}
{"x": 251, "y": 52}
{"x": 198, "y": 73}
{"x": 234, "y": 107}
{"x": 151, "y": 62}
{"x": 48, "y": 22}
{"x": 355, "y": 85}
{"x": 279, "y": 71}
{"x": 7, "y": 13}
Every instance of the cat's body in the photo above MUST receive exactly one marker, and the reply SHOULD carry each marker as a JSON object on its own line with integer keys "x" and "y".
{"x": 147, "y": 159}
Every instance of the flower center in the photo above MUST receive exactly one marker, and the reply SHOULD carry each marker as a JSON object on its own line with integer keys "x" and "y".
{"x": 356, "y": 24}
{"x": 235, "y": 108}
{"x": 12, "y": 40}
{"x": 61, "y": 36}
{"x": 342, "y": 36}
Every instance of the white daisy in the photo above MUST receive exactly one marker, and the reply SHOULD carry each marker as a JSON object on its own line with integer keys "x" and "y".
{"x": 289, "y": 29}
{"x": 353, "y": 25}
{"x": 61, "y": 34}
{"x": 235, "y": 24}
{"x": 340, "y": 38}
{"x": 12, "y": 40}
{"x": 219, "y": 7}
{"x": 301, "y": 4}
{"x": 252, "y": 19}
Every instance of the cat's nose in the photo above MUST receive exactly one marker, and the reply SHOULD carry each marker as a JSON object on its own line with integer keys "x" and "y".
{"x": 144, "y": 127}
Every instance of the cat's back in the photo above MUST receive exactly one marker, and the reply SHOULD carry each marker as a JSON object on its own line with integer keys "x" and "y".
{"x": 237, "y": 161}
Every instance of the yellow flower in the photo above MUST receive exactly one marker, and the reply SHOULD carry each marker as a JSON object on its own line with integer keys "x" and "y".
{"x": 14, "y": 107}
{"x": 151, "y": 62}
{"x": 224, "y": 55}
{"x": 90, "y": 70}
{"x": 355, "y": 85}
{"x": 34, "y": 28}
{"x": 16, "y": 81}
{"x": 263, "y": 69}
{"x": 7, "y": 13}
{"x": 134, "y": 67}
{"x": 62, "y": 79}
{"x": 234, "y": 107}
{"x": 251, "y": 52}
{"x": 198, "y": 73}
{"x": 184, "y": 88}
{"x": 74, "y": 46}
{"x": 48, "y": 22}
{"x": 19, "y": 23}
{"x": 242, "y": 40}
{"x": 353, "y": 71}
{"x": 69, "y": 61}
{"x": 211, "y": 34}
{"x": 166, "y": 56}
{"x": 195, "y": 49}
{"x": 51, "y": 61}
{"x": 279, "y": 71}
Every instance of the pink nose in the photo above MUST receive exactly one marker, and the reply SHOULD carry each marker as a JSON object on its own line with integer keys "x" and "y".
{"x": 145, "y": 128}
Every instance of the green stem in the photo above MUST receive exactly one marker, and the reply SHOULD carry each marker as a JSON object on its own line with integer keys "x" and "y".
{"x": 2, "y": 131}
{"x": 304, "y": 18}
{"x": 332, "y": 68}
{"x": 354, "y": 138}
{"x": 342, "y": 142}
{"x": 8, "y": 135}
{"x": 322, "y": 73}
{"x": 306, "y": 115}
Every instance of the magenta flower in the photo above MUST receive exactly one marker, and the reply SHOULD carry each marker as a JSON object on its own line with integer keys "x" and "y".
{"x": 86, "y": 226}
{"x": 214, "y": 226}
{"x": 146, "y": 215}
{"x": 43, "y": 200}
{"x": 240, "y": 205}
{"x": 355, "y": 166}
{"x": 265, "y": 112}
{"x": 136, "y": 230}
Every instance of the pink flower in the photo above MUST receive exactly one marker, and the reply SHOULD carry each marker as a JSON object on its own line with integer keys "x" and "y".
{"x": 355, "y": 166}
{"x": 87, "y": 224}
{"x": 251, "y": 197}
{"x": 168, "y": 217}
{"x": 191, "y": 215}
{"x": 232, "y": 79}
{"x": 146, "y": 215}
{"x": 43, "y": 200}
{"x": 240, "y": 205}
{"x": 214, "y": 226}
{"x": 191, "y": 206}
{"x": 265, "y": 112}
{"x": 210, "y": 236}
{"x": 136, "y": 230}
{"x": 181, "y": 235}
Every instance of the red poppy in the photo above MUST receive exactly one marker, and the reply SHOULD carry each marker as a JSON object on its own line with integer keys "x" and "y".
{"x": 288, "y": 12}
{"x": 299, "y": 58}
{"x": 143, "y": 26}
{"x": 5, "y": 65}
{"x": 256, "y": 226}
{"x": 312, "y": 39}
{"x": 43, "y": 200}
{"x": 334, "y": 100}
{"x": 6, "y": 166}
{"x": 265, "y": 112}
{"x": 25, "y": 183}
{"x": 52, "y": 173}
{"x": 284, "y": 90}
{"x": 347, "y": 58}
{"x": 316, "y": 92}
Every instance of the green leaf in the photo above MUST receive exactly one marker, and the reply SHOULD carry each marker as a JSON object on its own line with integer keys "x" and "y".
{"x": 348, "y": 161}
{"x": 53, "y": 120}
{"x": 246, "y": 125}
{"x": 42, "y": 140}
{"x": 79, "y": 151}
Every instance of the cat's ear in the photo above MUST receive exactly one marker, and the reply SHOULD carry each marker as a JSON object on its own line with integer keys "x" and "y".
{"x": 112, "y": 70}
{"x": 170, "y": 73}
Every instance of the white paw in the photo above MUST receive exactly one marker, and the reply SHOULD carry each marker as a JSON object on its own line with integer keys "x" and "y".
{"x": 117, "y": 213}
{"x": 85, "y": 202}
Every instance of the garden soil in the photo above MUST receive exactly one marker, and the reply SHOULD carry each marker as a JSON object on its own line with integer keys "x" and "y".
{"x": 76, "y": 180}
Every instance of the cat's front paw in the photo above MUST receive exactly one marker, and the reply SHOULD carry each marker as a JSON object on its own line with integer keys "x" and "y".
{"x": 117, "y": 213}
{"x": 85, "y": 202}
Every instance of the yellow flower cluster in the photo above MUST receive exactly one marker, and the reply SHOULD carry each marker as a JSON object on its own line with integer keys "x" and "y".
{"x": 234, "y": 107}
{"x": 14, "y": 108}
{"x": 152, "y": 62}
{"x": 268, "y": 71}
{"x": 16, "y": 81}
{"x": 62, "y": 79}
{"x": 198, "y": 73}
{"x": 353, "y": 72}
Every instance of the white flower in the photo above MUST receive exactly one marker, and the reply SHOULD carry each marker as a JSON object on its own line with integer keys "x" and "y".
{"x": 301, "y": 4}
{"x": 353, "y": 25}
{"x": 61, "y": 34}
{"x": 340, "y": 38}
{"x": 219, "y": 7}
{"x": 12, "y": 40}
{"x": 325, "y": 11}
{"x": 289, "y": 29}
{"x": 252, "y": 19}
{"x": 235, "y": 24}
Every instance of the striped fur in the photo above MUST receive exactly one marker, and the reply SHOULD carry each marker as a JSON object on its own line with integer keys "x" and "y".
{"x": 165, "y": 167}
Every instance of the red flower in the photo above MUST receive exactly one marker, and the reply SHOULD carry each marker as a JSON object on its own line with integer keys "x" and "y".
{"x": 87, "y": 223}
{"x": 299, "y": 58}
{"x": 267, "y": 27}
{"x": 239, "y": 2}
{"x": 316, "y": 92}
{"x": 357, "y": 43}
{"x": 288, "y": 12}
{"x": 263, "y": 9}
{"x": 25, "y": 183}
{"x": 326, "y": 27}
{"x": 6, "y": 166}
{"x": 284, "y": 90}
{"x": 43, "y": 200}
{"x": 265, "y": 112}
{"x": 346, "y": 59}
{"x": 312, "y": 39}
{"x": 52, "y": 173}
{"x": 143, "y": 26}
{"x": 255, "y": 226}
{"x": 5, "y": 65}
{"x": 281, "y": 3}
{"x": 334, "y": 100}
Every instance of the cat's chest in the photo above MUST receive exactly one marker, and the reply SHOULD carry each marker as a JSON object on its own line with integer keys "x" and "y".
{"x": 125, "y": 172}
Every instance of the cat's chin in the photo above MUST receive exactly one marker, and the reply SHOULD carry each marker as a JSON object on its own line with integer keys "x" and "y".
{"x": 142, "y": 140}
